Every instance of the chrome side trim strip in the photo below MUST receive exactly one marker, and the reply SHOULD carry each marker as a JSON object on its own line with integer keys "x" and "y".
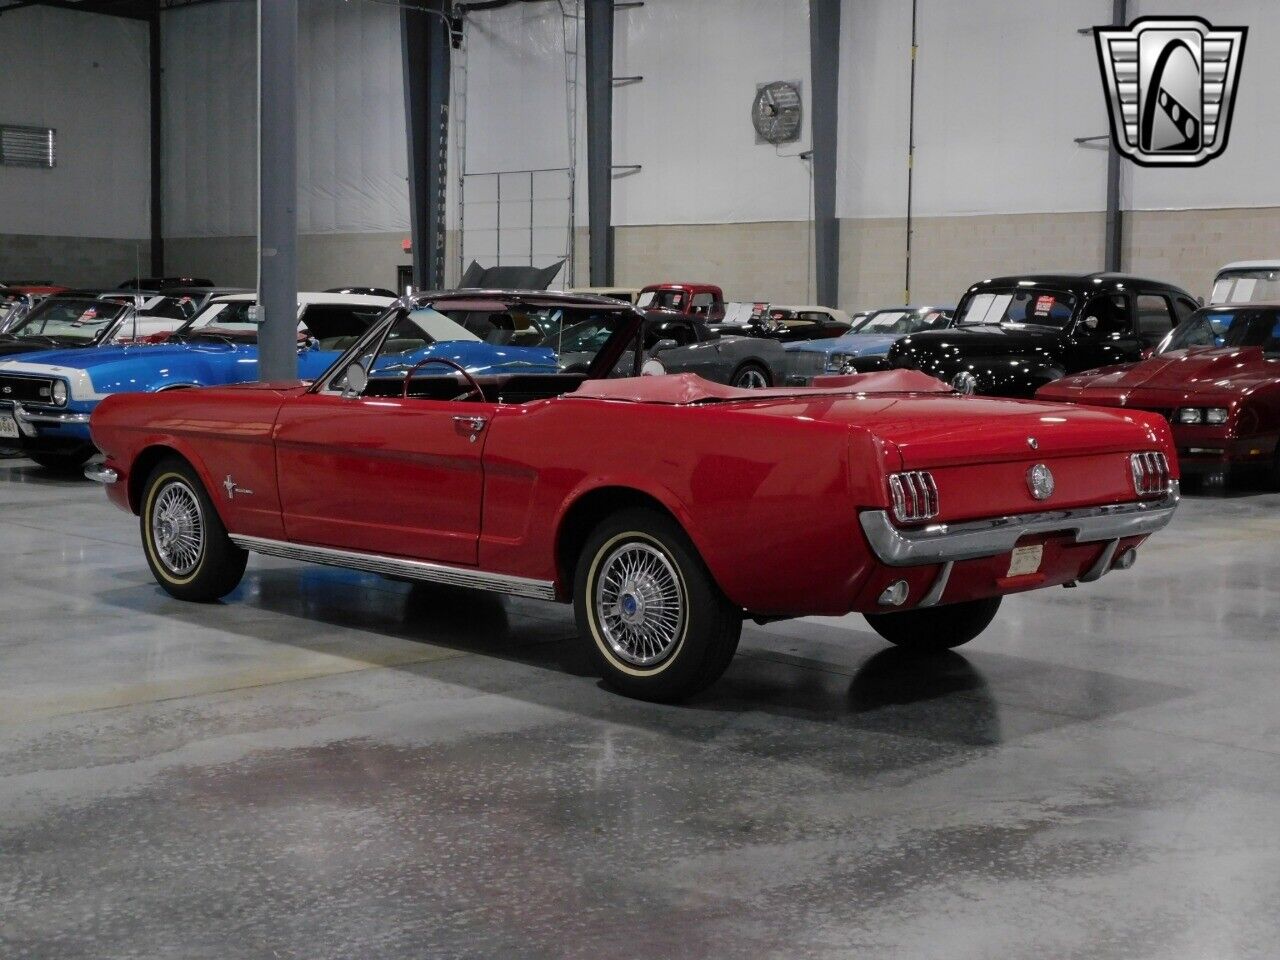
{"x": 943, "y": 542}
{"x": 931, "y": 598}
{"x": 100, "y": 473}
{"x": 400, "y": 567}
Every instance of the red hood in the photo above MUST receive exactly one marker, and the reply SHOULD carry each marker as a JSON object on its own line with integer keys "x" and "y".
{"x": 1201, "y": 375}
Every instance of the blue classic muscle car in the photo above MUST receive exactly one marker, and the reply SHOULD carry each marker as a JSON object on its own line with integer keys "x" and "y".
{"x": 864, "y": 347}
{"x": 46, "y": 398}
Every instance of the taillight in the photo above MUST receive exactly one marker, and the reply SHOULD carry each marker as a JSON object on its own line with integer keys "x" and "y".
{"x": 1151, "y": 477}
{"x": 914, "y": 495}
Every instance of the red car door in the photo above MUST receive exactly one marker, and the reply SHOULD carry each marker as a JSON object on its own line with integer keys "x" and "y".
{"x": 381, "y": 475}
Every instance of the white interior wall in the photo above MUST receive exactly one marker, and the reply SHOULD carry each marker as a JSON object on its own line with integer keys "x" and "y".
{"x": 87, "y": 77}
{"x": 352, "y": 159}
{"x": 689, "y": 122}
{"x": 1245, "y": 175}
{"x": 1001, "y": 91}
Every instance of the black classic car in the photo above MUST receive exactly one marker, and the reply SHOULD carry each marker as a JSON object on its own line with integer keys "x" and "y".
{"x": 1012, "y": 335}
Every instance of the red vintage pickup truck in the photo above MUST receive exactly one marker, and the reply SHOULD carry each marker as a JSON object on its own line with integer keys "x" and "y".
{"x": 703, "y": 300}
{"x": 664, "y": 508}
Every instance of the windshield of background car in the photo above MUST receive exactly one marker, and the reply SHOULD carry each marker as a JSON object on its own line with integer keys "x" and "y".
{"x": 1229, "y": 328}
{"x": 334, "y": 326}
{"x": 1038, "y": 305}
{"x": 81, "y": 321}
{"x": 661, "y": 300}
{"x": 1245, "y": 286}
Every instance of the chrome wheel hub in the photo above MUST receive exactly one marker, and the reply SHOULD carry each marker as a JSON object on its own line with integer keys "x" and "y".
{"x": 752, "y": 380}
{"x": 177, "y": 528}
{"x": 639, "y": 604}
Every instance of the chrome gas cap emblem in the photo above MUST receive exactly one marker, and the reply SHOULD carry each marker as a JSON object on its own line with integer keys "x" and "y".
{"x": 1040, "y": 482}
{"x": 965, "y": 382}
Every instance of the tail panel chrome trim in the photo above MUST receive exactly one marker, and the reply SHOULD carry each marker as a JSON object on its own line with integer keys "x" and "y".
{"x": 988, "y": 538}
{"x": 400, "y": 567}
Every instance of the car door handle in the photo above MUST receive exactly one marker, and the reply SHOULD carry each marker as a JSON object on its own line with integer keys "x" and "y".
{"x": 473, "y": 425}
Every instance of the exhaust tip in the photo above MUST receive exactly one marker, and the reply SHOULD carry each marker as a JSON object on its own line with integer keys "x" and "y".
{"x": 1126, "y": 559}
{"x": 895, "y": 595}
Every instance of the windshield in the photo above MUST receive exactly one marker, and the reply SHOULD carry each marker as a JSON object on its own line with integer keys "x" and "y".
{"x": 1246, "y": 286}
{"x": 332, "y": 326}
{"x": 662, "y": 300}
{"x": 1050, "y": 308}
{"x": 1229, "y": 328}
{"x": 75, "y": 321}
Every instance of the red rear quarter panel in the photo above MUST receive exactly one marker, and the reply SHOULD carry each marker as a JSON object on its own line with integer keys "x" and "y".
{"x": 769, "y": 501}
{"x": 221, "y": 431}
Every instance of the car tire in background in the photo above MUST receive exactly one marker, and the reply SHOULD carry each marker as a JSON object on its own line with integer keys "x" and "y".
{"x": 935, "y": 629}
{"x": 653, "y": 618}
{"x": 64, "y": 461}
{"x": 751, "y": 376}
{"x": 187, "y": 546}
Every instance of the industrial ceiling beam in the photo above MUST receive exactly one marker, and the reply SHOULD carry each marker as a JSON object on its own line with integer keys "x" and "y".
{"x": 278, "y": 189}
{"x": 425, "y": 53}
{"x": 824, "y": 60}
{"x": 599, "y": 43}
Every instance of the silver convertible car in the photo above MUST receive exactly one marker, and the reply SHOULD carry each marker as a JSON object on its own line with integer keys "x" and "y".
{"x": 679, "y": 344}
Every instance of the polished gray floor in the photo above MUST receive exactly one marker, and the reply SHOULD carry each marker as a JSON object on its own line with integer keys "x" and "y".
{"x": 332, "y": 765}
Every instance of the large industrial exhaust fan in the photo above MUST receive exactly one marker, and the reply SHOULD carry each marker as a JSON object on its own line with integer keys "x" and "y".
{"x": 775, "y": 112}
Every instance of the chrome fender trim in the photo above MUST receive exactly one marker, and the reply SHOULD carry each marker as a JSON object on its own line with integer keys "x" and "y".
{"x": 943, "y": 543}
{"x": 400, "y": 567}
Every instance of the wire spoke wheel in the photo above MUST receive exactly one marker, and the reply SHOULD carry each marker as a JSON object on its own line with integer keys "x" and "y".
{"x": 640, "y": 604}
{"x": 178, "y": 528}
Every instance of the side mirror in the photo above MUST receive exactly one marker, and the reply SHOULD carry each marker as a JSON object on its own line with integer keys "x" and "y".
{"x": 357, "y": 379}
{"x": 662, "y": 345}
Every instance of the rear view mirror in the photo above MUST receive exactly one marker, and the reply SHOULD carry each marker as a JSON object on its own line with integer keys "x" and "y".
{"x": 357, "y": 379}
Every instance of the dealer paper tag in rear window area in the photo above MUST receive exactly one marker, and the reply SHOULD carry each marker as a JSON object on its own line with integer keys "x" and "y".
{"x": 1043, "y": 306}
{"x": 1025, "y": 560}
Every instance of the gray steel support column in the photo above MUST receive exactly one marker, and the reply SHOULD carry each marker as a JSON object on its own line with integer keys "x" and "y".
{"x": 157, "y": 154}
{"x": 824, "y": 72}
{"x": 424, "y": 47}
{"x": 1115, "y": 223}
{"x": 278, "y": 188}
{"x": 599, "y": 43}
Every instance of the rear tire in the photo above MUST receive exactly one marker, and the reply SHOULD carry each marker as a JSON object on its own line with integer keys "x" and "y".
{"x": 935, "y": 629}
{"x": 63, "y": 461}
{"x": 655, "y": 621}
{"x": 751, "y": 376}
{"x": 187, "y": 546}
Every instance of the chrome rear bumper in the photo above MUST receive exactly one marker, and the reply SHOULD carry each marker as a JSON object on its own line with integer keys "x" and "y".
{"x": 100, "y": 473}
{"x": 943, "y": 543}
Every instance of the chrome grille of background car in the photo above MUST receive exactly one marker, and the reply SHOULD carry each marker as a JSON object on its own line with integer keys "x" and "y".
{"x": 915, "y": 496}
{"x": 26, "y": 389}
{"x": 1151, "y": 477}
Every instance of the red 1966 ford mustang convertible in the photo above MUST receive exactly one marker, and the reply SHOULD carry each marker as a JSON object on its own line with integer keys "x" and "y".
{"x": 664, "y": 508}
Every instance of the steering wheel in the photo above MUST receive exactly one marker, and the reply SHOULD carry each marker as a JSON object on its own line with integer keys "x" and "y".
{"x": 473, "y": 385}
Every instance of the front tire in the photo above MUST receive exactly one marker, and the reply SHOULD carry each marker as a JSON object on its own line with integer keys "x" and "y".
{"x": 655, "y": 621}
{"x": 63, "y": 461}
{"x": 935, "y": 629}
{"x": 751, "y": 376}
{"x": 187, "y": 546}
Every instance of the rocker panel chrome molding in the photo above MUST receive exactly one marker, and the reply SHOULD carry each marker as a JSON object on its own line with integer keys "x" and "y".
{"x": 400, "y": 567}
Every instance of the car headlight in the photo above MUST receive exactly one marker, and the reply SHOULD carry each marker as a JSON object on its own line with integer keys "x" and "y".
{"x": 59, "y": 393}
{"x": 1190, "y": 415}
{"x": 837, "y": 361}
{"x": 1216, "y": 415}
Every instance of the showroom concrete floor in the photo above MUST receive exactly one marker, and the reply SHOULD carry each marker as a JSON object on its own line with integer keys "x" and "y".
{"x": 331, "y": 765}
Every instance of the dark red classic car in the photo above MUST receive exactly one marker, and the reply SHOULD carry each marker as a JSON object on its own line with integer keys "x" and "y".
{"x": 1216, "y": 379}
{"x": 665, "y": 508}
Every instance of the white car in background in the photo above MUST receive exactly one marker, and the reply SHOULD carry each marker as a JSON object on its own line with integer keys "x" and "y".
{"x": 1247, "y": 281}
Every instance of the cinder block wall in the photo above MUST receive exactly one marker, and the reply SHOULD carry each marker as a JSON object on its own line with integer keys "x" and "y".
{"x": 72, "y": 261}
